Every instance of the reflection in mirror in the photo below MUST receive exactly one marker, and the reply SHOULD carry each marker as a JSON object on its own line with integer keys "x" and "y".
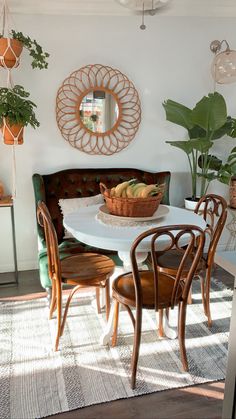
{"x": 99, "y": 111}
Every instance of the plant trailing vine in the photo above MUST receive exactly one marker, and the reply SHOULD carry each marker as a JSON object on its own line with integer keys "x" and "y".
{"x": 35, "y": 50}
{"x": 16, "y": 108}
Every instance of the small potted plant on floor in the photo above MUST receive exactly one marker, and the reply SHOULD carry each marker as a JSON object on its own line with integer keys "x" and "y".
{"x": 11, "y": 48}
{"x": 16, "y": 112}
{"x": 206, "y": 123}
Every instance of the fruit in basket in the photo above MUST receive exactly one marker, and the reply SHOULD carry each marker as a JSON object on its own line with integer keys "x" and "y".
{"x": 149, "y": 190}
{"x": 134, "y": 189}
{"x": 112, "y": 192}
{"x": 132, "y": 198}
{"x": 120, "y": 189}
{"x": 137, "y": 189}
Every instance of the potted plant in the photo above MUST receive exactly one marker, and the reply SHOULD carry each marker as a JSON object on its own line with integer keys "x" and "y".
{"x": 11, "y": 48}
{"x": 16, "y": 112}
{"x": 206, "y": 123}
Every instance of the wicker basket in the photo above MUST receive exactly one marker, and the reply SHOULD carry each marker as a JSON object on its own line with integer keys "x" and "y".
{"x": 131, "y": 207}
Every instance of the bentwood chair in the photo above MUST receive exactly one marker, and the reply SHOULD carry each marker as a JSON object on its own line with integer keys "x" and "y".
{"x": 151, "y": 289}
{"x": 213, "y": 209}
{"x": 82, "y": 270}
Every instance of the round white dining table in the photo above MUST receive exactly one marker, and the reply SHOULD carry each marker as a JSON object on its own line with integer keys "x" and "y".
{"x": 87, "y": 226}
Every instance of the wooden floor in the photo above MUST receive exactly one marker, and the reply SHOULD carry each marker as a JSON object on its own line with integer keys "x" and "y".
{"x": 196, "y": 402}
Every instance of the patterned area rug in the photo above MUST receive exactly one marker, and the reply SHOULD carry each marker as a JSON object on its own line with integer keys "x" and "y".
{"x": 36, "y": 382}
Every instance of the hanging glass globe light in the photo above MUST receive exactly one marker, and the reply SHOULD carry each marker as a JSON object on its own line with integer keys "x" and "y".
{"x": 223, "y": 68}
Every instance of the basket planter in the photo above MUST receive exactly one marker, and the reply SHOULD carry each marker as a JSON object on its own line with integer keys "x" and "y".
{"x": 12, "y": 134}
{"x": 131, "y": 207}
{"x": 10, "y": 51}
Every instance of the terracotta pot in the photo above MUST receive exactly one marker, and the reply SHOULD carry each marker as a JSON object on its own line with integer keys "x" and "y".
{"x": 232, "y": 192}
{"x": 10, "y": 50}
{"x": 11, "y": 132}
{"x": 191, "y": 205}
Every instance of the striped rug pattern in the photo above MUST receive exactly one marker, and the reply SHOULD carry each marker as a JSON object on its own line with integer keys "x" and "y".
{"x": 36, "y": 382}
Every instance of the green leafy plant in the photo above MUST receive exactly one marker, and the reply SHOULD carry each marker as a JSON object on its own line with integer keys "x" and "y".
{"x": 16, "y": 108}
{"x": 205, "y": 123}
{"x": 35, "y": 50}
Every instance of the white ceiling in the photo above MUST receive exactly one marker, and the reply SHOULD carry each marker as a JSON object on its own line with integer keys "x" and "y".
{"x": 220, "y": 8}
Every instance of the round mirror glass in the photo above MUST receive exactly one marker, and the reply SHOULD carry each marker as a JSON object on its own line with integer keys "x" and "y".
{"x": 99, "y": 111}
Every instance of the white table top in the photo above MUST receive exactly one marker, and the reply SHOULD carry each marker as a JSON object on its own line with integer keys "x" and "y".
{"x": 84, "y": 226}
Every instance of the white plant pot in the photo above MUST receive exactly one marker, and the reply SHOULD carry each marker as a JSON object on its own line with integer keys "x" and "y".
{"x": 191, "y": 205}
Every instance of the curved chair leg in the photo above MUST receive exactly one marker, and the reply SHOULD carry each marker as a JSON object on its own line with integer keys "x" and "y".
{"x": 160, "y": 323}
{"x": 202, "y": 280}
{"x": 67, "y": 306}
{"x": 137, "y": 339}
{"x": 115, "y": 323}
{"x": 59, "y": 312}
{"x": 98, "y": 300}
{"x": 108, "y": 302}
{"x": 190, "y": 296}
{"x": 53, "y": 301}
{"x": 207, "y": 296}
{"x": 181, "y": 327}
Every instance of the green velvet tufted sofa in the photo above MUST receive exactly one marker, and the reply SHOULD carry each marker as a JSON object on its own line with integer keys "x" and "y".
{"x": 78, "y": 183}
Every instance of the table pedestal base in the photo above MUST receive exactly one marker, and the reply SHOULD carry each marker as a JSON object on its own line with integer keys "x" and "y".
{"x": 170, "y": 332}
{"x": 140, "y": 257}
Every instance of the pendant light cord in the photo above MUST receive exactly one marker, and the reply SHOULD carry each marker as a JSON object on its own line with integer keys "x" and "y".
{"x": 143, "y": 26}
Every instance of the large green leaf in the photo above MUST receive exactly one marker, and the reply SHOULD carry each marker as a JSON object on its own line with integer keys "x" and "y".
{"x": 196, "y": 132}
{"x": 210, "y": 113}
{"x": 232, "y": 132}
{"x": 213, "y": 162}
{"x": 178, "y": 114}
{"x": 224, "y": 175}
{"x": 231, "y": 162}
{"x": 185, "y": 146}
{"x": 229, "y": 128}
{"x": 201, "y": 144}
{"x": 209, "y": 176}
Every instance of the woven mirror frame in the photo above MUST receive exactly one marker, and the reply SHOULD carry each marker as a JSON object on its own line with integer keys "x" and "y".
{"x": 105, "y": 81}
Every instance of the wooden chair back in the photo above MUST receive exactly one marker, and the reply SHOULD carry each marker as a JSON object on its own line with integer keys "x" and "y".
{"x": 192, "y": 237}
{"x": 214, "y": 213}
{"x": 44, "y": 219}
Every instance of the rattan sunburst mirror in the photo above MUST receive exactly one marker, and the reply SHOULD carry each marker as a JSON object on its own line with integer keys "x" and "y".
{"x": 98, "y": 110}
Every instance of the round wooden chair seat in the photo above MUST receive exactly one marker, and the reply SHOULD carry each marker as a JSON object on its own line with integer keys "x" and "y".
{"x": 124, "y": 291}
{"x": 169, "y": 262}
{"x": 92, "y": 267}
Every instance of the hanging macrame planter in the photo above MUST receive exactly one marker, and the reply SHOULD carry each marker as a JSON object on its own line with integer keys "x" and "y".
{"x": 16, "y": 111}
{"x": 10, "y": 51}
{"x": 12, "y": 134}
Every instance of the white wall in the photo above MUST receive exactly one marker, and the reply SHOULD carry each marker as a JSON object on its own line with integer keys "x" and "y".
{"x": 171, "y": 59}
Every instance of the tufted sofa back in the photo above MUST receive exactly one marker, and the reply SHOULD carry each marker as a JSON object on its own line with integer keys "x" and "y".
{"x": 78, "y": 183}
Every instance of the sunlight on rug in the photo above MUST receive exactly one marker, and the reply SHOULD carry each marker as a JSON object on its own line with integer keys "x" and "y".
{"x": 36, "y": 382}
